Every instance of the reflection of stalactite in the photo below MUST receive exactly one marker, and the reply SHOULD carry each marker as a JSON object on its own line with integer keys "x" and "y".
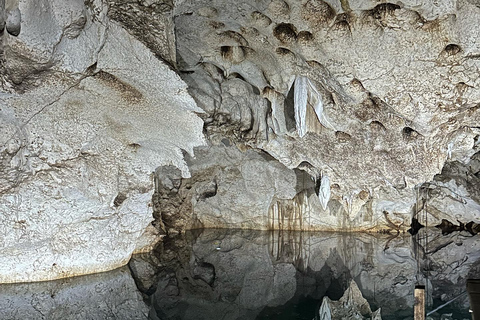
{"x": 288, "y": 214}
{"x": 289, "y": 247}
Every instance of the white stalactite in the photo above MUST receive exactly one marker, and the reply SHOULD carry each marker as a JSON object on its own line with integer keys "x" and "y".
{"x": 324, "y": 192}
{"x": 300, "y": 104}
{"x": 307, "y": 93}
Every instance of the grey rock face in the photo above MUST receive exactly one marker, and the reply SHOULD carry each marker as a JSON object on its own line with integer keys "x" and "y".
{"x": 227, "y": 188}
{"x": 149, "y": 21}
{"x": 453, "y": 195}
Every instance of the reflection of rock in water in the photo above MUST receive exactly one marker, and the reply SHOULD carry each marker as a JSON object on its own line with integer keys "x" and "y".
{"x": 446, "y": 262}
{"x": 352, "y": 305}
{"x": 109, "y": 295}
{"x": 234, "y": 274}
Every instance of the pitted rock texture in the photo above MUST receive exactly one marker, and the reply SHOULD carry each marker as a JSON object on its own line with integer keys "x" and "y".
{"x": 87, "y": 114}
{"x": 392, "y": 92}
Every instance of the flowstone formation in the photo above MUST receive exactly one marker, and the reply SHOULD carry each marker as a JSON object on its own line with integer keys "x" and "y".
{"x": 365, "y": 101}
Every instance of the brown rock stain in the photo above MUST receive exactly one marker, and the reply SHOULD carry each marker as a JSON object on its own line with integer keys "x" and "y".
{"x": 126, "y": 91}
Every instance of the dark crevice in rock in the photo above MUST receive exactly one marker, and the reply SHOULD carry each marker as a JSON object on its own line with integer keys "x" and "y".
{"x": 290, "y": 110}
{"x": 342, "y": 137}
{"x": 381, "y": 10}
{"x": 235, "y": 75}
{"x": 119, "y": 199}
{"x": 284, "y": 51}
{"x": 415, "y": 226}
{"x": 452, "y": 49}
{"x": 285, "y": 32}
{"x": 410, "y": 133}
{"x": 377, "y": 126}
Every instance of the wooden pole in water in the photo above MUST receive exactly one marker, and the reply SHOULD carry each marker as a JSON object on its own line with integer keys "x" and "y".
{"x": 419, "y": 304}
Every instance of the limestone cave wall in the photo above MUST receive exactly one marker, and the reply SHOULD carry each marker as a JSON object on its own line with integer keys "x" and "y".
{"x": 268, "y": 114}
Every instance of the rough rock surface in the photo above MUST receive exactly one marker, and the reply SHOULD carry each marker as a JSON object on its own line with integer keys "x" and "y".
{"x": 352, "y": 305}
{"x": 377, "y": 97}
{"x": 227, "y": 188}
{"x": 453, "y": 195}
{"x": 87, "y": 115}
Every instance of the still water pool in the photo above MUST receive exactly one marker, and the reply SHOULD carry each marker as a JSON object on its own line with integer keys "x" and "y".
{"x": 240, "y": 274}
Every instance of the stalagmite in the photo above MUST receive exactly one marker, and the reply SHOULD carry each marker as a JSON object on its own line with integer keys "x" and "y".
{"x": 352, "y": 305}
{"x": 376, "y": 315}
